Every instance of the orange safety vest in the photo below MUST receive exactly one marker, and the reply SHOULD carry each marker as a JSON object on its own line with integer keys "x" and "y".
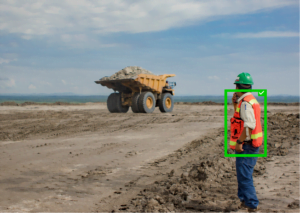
{"x": 237, "y": 124}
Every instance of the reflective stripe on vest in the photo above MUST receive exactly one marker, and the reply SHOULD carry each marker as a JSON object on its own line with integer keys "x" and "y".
{"x": 237, "y": 109}
{"x": 253, "y": 101}
{"x": 232, "y": 143}
{"x": 255, "y": 136}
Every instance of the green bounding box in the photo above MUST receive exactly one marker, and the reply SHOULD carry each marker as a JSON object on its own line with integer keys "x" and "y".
{"x": 261, "y": 92}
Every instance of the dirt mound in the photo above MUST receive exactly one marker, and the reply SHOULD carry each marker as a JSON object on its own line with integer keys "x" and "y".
{"x": 9, "y": 103}
{"x": 200, "y": 189}
{"x": 285, "y": 133}
{"x": 126, "y": 73}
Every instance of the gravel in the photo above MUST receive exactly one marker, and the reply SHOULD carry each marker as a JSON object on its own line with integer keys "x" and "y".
{"x": 127, "y": 73}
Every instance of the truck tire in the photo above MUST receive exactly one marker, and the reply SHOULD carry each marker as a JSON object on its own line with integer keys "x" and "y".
{"x": 118, "y": 103}
{"x": 135, "y": 103}
{"x": 114, "y": 104}
{"x": 166, "y": 103}
{"x": 146, "y": 102}
{"x": 111, "y": 103}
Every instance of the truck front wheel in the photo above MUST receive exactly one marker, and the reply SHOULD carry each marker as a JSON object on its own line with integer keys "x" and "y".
{"x": 166, "y": 103}
{"x": 147, "y": 102}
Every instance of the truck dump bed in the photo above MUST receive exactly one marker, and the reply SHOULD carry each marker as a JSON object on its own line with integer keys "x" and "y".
{"x": 142, "y": 82}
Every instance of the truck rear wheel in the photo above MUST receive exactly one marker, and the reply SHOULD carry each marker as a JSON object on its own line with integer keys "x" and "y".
{"x": 135, "y": 103}
{"x": 114, "y": 103}
{"x": 166, "y": 103}
{"x": 111, "y": 103}
{"x": 120, "y": 107}
{"x": 146, "y": 102}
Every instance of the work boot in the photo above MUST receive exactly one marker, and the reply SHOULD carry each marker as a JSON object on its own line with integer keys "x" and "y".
{"x": 252, "y": 210}
{"x": 242, "y": 205}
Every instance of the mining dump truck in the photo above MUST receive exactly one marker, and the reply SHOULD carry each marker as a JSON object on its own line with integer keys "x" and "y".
{"x": 142, "y": 93}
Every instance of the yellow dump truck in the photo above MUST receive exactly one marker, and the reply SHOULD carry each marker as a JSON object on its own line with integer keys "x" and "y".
{"x": 142, "y": 93}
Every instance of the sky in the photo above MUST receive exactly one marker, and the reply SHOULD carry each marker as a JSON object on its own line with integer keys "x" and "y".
{"x": 63, "y": 46}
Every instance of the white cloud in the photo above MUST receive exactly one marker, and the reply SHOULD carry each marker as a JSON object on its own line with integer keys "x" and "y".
{"x": 11, "y": 83}
{"x": 14, "y": 44}
{"x": 7, "y": 82}
{"x": 26, "y": 37}
{"x": 267, "y": 34}
{"x": 264, "y": 34}
{"x": 41, "y": 17}
{"x": 31, "y": 86}
{"x": 45, "y": 83}
{"x": 64, "y": 82}
{"x": 84, "y": 41}
{"x": 214, "y": 77}
{"x": 2, "y": 60}
{"x": 6, "y": 58}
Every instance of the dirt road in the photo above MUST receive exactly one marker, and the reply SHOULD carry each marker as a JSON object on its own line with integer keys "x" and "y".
{"x": 82, "y": 158}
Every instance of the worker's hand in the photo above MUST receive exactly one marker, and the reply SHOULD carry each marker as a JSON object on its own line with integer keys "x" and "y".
{"x": 239, "y": 147}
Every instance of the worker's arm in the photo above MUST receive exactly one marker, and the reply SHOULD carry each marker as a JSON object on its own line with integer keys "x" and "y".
{"x": 247, "y": 115}
{"x": 239, "y": 147}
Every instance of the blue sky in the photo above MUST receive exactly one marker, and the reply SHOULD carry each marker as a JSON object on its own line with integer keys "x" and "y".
{"x": 64, "y": 46}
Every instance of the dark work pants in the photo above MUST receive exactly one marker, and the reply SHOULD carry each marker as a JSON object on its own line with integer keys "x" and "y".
{"x": 244, "y": 171}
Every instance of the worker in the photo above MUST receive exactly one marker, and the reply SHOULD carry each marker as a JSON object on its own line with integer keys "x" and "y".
{"x": 167, "y": 84}
{"x": 246, "y": 138}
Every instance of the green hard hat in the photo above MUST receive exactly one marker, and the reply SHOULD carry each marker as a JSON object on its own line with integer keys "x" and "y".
{"x": 244, "y": 78}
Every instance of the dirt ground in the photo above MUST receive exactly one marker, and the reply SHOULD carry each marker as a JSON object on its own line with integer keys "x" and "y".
{"x": 83, "y": 158}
